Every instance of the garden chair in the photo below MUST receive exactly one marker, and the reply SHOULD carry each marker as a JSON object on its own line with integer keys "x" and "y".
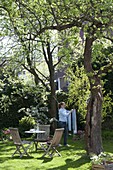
{"x": 44, "y": 137}
{"x": 21, "y": 146}
{"x": 54, "y": 143}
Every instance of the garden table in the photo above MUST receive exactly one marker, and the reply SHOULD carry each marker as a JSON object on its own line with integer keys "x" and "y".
{"x": 35, "y": 131}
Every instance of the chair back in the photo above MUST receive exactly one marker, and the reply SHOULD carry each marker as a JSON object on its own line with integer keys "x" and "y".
{"x": 15, "y": 136}
{"x": 45, "y": 128}
{"x": 57, "y": 136}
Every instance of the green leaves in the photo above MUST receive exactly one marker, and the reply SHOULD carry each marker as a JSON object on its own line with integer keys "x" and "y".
{"x": 79, "y": 89}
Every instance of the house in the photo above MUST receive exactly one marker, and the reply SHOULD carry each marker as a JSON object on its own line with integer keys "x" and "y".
{"x": 60, "y": 80}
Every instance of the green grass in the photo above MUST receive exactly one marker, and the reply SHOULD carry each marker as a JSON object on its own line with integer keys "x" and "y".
{"x": 73, "y": 157}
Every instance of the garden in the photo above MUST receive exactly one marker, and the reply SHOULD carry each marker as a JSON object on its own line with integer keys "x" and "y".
{"x": 73, "y": 157}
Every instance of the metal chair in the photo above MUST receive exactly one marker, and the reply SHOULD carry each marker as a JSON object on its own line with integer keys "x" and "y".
{"x": 44, "y": 137}
{"x": 21, "y": 149}
{"x": 54, "y": 143}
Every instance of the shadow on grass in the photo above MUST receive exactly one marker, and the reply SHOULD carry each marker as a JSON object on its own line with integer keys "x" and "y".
{"x": 24, "y": 157}
{"x": 3, "y": 159}
{"x": 70, "y": 163}
{"x": 45, "y": 159}
{"x": 7, "y": 150}
{"x": 65, "y": 148}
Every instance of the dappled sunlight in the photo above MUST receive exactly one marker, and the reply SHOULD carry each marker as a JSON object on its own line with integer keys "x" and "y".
{"x": 72, "y": 163}
{"x": 73, "y": 157}
{"x": 75, "y": 153}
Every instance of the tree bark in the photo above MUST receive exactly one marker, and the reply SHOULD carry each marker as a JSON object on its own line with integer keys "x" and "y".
{"x": 52, "y": 102}
{"x": 94, "y": 105}
{"x": 52, "y": 95}
{"x": 93, "y": 122}
{"x": 49, "y": 61}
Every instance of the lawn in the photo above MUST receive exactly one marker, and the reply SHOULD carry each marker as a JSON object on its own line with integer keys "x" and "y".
{"x": 73, "y": 157}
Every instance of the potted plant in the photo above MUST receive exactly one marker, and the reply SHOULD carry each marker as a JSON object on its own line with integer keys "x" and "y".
{"x": 103, "y": 161}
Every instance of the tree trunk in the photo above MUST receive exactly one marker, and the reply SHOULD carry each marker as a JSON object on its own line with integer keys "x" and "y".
{"x": 49, "y": 61}
{"x": 52, "y": 93}
{"x": 94, "y": 105}
{"x": 93, "y": 123}
{"x": 52, "y": 101}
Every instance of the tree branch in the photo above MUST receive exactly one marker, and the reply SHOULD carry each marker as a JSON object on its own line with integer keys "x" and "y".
{"x": 41, "y": 74}
{"x": 32, "y": 71}
{"x": 3, "y": 63}
{"x": 44, "y": 53}
{"x": 111, "y": 39}
{"x": 88, "y": 54}
{"x": 53, "y": 49}
{"x": 105, "y": 69}
{"x": 59, "y": 60}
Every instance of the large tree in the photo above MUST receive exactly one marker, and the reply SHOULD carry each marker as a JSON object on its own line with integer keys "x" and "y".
{"x": 95, "y": 20}
{"x": 33, "y": 47}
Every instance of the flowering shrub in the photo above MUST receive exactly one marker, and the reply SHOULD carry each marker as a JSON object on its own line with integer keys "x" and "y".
{"x": 6, "y": 134}
{"x": 102, "y": 158}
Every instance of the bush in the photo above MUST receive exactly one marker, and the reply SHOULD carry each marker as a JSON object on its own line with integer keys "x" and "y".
{"x": 15, "y": 95}
{"x": 39, "y": 114}
{"x": 107, "y": 135}
{"x": 26, "y": 123}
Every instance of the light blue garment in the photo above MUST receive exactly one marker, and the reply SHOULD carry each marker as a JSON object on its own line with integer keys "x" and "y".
{"x": 72, "y": 122}
{"x": 63, "y": 114}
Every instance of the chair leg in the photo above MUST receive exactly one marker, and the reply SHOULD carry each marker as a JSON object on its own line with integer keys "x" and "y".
{"x": 17, "y": 150}
{"x": 36, "y": 144}
{"x": 14, "y": 153}
{"x": 51, "y": 154}
{"x": 25, "y": 151}
{"x": 47, "y": 151}
{"x": 43, "y": 147}
{"x": 57, "y": 152}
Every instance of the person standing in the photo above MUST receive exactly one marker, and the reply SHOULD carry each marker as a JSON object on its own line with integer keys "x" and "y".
{"x": 63, "y": 115}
